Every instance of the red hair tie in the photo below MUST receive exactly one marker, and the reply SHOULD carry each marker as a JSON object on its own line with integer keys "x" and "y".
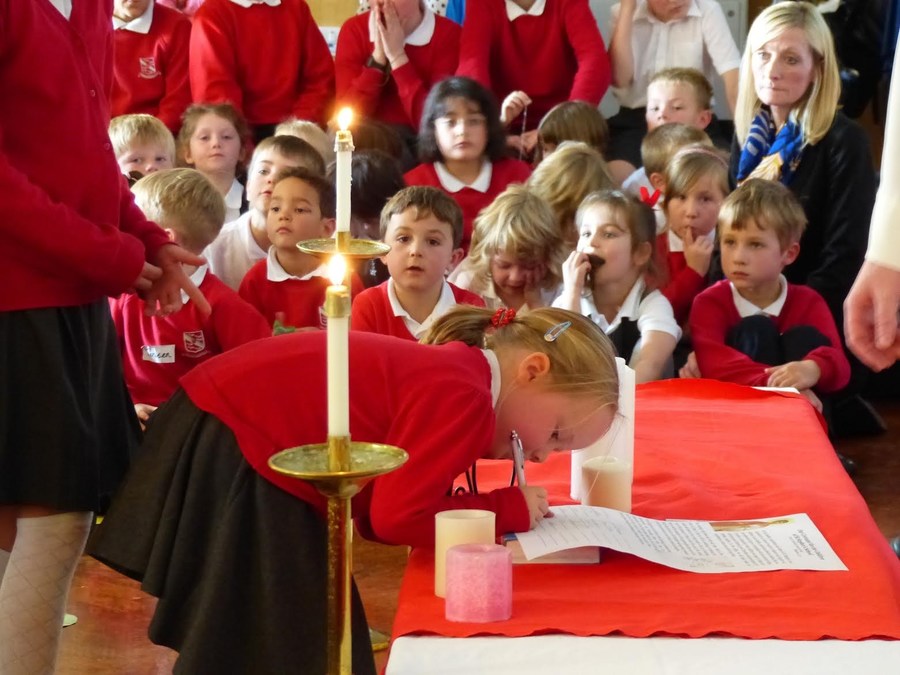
{"x": 503, "y": 316}
{"x": 647, "y": 198}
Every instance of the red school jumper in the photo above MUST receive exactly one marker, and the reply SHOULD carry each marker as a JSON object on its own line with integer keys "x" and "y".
{"x": 683, "y": 284}
{"x": 555, "y": 57}
{"x": 398, "y": 97}
{"x": 432, "y": 401}
{"x": 372, "y": 311}
{"x": 269, "y": 62}
{"x": 471, "y": 201}
{"x": 151, "y": 71}
{"x": 157, "y": 351}
{"x": 714, "y": 314}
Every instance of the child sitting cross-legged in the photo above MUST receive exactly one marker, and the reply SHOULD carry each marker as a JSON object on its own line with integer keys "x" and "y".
{"x": 157, "y": 350}
{"x": 288, "y": 287}
{"x": 754, "y": 327}
{"x": 423, "y": 227}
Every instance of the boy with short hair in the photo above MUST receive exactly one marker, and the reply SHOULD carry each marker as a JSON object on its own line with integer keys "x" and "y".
{"x": 754, "y": 327}
{"x": 157, "y": 351}
{"x": 424, "y": 228}
{"x": 150, "y": 61}
{"x": 288, "y": 287}
{"x": 243, "y": 241}
{"x": 142, "y": 144}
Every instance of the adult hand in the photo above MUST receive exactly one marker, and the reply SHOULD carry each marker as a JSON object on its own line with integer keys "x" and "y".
{"x": 143, "y": 411}
{"x": 144, "y": 282}
{"x": 872, "y": 316}
{"x": 164, "y": 296}
{"x": 393, "y": 37}
{"x": 697, "y": 252}
{"x": 513, "y": 105}
{"x": 797, "y": 374}
{"x": 690, "y": 369}
{"x": 538, "y": 505}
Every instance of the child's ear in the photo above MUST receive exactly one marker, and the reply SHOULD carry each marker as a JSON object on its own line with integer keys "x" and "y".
{"x": 657, "y": 181}
{"x": 642, "y": 253}
{"x": 455, "y": 258}
{"x": 790, "y": 253}
{"x": 705, "y": 118}
{"x": 534, "y": 366}
{"x": 328, "y": 225}
{"x": 170, "y": 233}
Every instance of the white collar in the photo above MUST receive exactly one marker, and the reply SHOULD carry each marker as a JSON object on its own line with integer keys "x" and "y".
{"x": 746, "y": 308}
{"x": 643, "y": 12}
{"x": 676, "y": 243}
{"x": 235, "y": 196}
{"x": 513, "y": 11}
{"x": 423, "y": 33}
{"x": 275, "y": 272}
{"x": 250, "y": 3}
{"x": 139, "y": 25}
{"x": 453, "y": 184}
{"x": 494, "y": 364}
{"x": 64, "y": 7}
{"x": 445, "y": 303}
{"x": 629, "y": 309}
{"x": 197, "y": 278}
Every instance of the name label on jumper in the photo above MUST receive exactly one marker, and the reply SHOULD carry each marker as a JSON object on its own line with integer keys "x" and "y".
{"x": 159, "y": 353}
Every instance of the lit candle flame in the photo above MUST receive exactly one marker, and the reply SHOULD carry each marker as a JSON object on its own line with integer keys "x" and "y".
{"x": 344, "y": 118}
{"x": 337, "y": 269}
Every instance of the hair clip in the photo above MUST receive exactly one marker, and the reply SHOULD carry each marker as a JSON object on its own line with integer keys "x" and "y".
{"x": 557, "y": 330}
{"x": 649, "y": 199}
{"x": 503, "y": 316}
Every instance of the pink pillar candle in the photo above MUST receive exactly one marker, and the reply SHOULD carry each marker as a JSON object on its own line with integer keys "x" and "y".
{"x": 479, "y": 583}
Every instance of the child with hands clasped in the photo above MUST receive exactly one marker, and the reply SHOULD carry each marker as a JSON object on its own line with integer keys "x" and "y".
{"x": 609, "y": 278}
{"x": 696, "y": 184}
{"x": 423, "y": 227}
{"x": 548, "y": 374}
{"x": 754, "y": 328}
{"x": 517, "y": 253}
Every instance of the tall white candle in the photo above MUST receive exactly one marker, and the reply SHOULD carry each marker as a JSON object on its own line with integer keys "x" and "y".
{"x": 337, "y": 304}
{"x": 343, "y": 149}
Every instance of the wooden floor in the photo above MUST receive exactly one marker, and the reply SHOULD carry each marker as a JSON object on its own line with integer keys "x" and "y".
{"x": 113, "y": 614}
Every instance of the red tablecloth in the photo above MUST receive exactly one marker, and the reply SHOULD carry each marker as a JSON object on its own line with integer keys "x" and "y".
{"x": 711, "y": 451}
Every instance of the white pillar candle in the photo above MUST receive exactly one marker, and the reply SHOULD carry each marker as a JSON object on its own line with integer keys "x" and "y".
{"x": 606, "y": 481}
{"x": 459, "y": 526}
{"x": 479, "y": 583}
{"x": 337, "y": 307}
{"x": 343, "y": 150}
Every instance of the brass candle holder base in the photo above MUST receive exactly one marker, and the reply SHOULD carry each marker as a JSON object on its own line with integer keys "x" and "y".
{"x": 355, "y": 249}
{"x": 338, "y": 469}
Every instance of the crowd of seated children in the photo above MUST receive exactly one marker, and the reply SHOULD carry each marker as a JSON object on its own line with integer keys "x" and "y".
{"x": 696, "y": 184}
{"x": 288, "y": 287}
{"x": 533, "y": 55}
{"x": 611, "y": 278}
{"x": 243, "y": 241}
{"x": 651, "y": 35}
{"x": 150, "y": 61}
{"x": 571, "y": 121}
{"x": 423, "y": 227}
{"x": 228, "y": 62}
{"x": 142, "y": 144}
{"x": 754, "y": 327}
{"x": 565, "y": 178}
{"x": 213, "y": 139}
{"x": 389, "y": 57}
{"x": 158, "y": 350}
{"x": 375, "y": 177}
{"x": 517, "y": 252}
{"x": 462, "y": 147}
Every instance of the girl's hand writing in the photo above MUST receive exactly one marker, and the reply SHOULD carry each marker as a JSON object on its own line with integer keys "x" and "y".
{"x": 697, "y": 252}
{"x": 798, "y": 374}
{"x": 513, "y": 105}
{"x": 538, "y": 506}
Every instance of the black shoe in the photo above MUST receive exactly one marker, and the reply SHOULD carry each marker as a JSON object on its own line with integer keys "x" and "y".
{"x": 895, "y": 544}
{"x": 850, "y": 465}
{"x": 854, "y": 416}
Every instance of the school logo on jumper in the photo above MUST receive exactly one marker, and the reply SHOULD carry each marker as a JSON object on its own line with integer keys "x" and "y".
{"x": 158, "y": 353}
{"x": 148, "y": 67}
{"x": 194, "y": 341}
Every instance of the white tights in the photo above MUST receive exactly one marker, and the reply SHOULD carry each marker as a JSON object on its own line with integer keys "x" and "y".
{"x": 34, "y": 589}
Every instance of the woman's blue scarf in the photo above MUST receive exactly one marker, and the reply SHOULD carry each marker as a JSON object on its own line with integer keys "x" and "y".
{"x": 768, "y": 153}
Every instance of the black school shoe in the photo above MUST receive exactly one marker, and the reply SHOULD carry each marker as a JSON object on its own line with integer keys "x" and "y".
{"x": 895, "y": 544}
{"x": 853, "y": 416}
